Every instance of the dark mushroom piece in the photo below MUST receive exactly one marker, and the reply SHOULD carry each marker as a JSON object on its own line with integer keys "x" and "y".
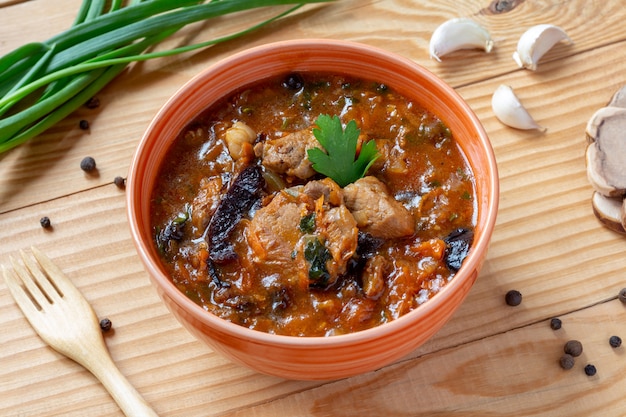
{"x": 237, "y": 201}
{"x": 458, "y": 244}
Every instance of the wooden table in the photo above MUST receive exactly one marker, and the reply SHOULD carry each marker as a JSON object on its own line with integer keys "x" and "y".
{"x": 489, "y": 360}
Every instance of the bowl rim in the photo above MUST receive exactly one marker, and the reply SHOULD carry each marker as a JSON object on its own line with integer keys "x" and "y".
{"x": 471, "y": 263}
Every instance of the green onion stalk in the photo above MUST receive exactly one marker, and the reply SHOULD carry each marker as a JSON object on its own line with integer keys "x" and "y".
{"x": 43, "y": 82}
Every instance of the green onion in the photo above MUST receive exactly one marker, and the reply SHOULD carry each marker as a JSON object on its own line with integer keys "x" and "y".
{"x": 43, "y": 82}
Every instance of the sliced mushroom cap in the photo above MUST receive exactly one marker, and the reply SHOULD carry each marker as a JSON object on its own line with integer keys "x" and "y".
{"x": 606, "y": 153}
{"x": 609, "y": 211}
{"x": 619, "y": 98}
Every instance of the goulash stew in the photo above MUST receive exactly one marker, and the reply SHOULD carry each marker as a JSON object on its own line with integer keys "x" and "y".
{"x": 249, "y": 228}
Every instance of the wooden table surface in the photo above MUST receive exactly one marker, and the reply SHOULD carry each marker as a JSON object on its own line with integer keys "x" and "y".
{"x": 489, "y": 360}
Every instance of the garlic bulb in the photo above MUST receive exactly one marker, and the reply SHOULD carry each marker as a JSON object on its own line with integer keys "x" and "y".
{"x": 510, "y": 111}
{"x": 535, "y": 42}
{"x": 460, "y": 33}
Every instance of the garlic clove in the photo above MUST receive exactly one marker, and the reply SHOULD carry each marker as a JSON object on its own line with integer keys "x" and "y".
{"x": 535, "y": 42}
{"x": 510, "y": 111}
{"x": 459, "y": 33}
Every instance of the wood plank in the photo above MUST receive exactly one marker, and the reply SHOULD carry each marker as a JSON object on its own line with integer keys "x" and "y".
{"x": 544, "y": 192}
{"x": 547, "y": 243}
{"x": 528, "y": 262}
{"x": 148, "y": 344}
{"x": 130, "y": 102}
{"x": 7, "y": 3}
{"x": 490, "y": 359}
{"x": 509, "y": 374}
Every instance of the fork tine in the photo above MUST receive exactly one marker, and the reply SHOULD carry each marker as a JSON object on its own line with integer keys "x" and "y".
{"x": 56, "y": 275}
{"x": 43, "y": 281}
{"x": 19, "y": 293}
{"x": 30, "y": 286}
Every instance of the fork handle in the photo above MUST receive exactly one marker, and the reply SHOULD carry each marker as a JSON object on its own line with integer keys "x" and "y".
{"x": 125, "y": 395}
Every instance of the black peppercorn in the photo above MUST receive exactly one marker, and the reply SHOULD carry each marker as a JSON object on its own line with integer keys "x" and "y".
{"x": 555, "y": 323}
{"x": 105, "y": 325}
{"x": 45, "y": 222}
{"x": 590, "y": 370}
{"x": 513, "y": 298}
{"x": 83, "y": 124}
{"x": 93, "y": 103}
{"x": 382, "y": 88}
{"x": 120, "y": 182}
{"x": 573, "y": 347}
{"x": 615, "y": 341}
{"x": 293, "y": 82}
{"x": 567, "y": 361}
{"x": 88, "y": 164}
{"x": 622, "y": 295}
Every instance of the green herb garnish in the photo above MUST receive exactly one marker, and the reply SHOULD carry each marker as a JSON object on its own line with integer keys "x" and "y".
{"x": 340, "y": 161}
{"x": 43, "y": 82}
{"x": 173, "y": 229}
{"x": 307, "y": 223}
{"x": 316, "y": 253}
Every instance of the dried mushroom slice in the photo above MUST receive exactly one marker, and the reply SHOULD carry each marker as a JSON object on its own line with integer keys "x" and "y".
{"x": 594, "y": 174}
{"x": 619, "y": 98}
{"x": 623, "y": 214}
{"x": 609, "y": 211}
{"x": 606, "y": 152}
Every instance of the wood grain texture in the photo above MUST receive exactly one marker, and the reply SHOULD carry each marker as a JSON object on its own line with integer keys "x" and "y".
{"x": 400, "y": 26}
{"x": 511, "y": 374}
{"x": 489, "y": 360}
{"x": 148, "y": 345}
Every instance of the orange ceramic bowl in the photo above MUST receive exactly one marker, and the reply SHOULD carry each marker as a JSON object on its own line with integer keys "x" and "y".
{"x": 320, "y": 358}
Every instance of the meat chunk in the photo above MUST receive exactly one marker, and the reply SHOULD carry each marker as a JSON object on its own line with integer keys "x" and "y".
{"x": 329, "y": 189}
{"x": 317, "y": 256}
{"x": 273, "y": 232}
{"x": 373, "y": 276}
{"x": 288, "y": 155}
{"x": 340, "y": 233}
{"x": 376, "y": 211}
{"x": 205, "y": 203}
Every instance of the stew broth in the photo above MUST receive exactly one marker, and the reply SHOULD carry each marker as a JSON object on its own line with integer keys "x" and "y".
{"x": 252, "y": 234}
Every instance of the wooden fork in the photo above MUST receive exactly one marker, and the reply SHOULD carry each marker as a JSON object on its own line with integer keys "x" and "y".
{"x": 64, "y": 320}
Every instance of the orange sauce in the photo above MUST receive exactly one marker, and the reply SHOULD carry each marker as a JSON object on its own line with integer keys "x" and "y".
{"x": 421, "y": 166}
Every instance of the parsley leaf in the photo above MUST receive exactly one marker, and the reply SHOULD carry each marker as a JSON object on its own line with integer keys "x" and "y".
{"x": 340, "y": 161}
